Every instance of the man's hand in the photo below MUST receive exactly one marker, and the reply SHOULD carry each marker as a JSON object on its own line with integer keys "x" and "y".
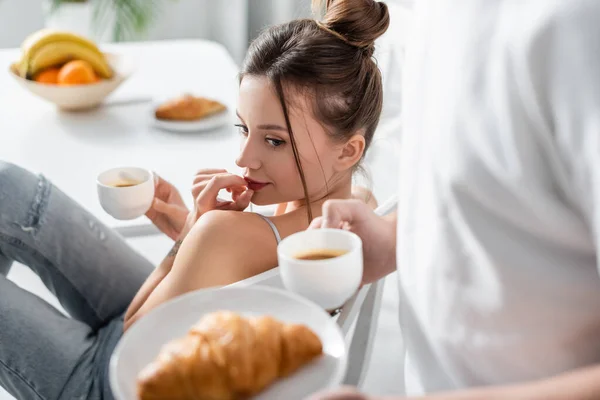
{"x": 345, "y": 393}
{"x": 581, "y": 384}
{"x": 378, "y": 234}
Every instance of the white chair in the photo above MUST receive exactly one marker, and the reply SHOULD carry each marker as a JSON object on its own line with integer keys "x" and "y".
{"x": 357, "y": 319}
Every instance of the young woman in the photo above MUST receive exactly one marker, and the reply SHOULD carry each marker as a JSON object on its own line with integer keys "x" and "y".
{"x": 310, "y": 99}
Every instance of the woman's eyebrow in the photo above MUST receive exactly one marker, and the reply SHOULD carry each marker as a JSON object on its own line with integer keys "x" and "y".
{"x": 239, "y": 116}
{"x": 272, "y": 127}
{"x": 267, "y": 127}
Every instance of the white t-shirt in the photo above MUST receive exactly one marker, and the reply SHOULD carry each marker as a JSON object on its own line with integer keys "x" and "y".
{"x": 500, "y": 192}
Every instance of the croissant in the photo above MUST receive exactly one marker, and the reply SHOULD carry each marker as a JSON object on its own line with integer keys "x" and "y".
{"x": 188, "y": 108}
{"x": 228, "y": 357}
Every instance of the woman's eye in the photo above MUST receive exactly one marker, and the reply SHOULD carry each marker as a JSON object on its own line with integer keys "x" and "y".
{"x": 275, "y": 142}
{"x": 243, "y": 129}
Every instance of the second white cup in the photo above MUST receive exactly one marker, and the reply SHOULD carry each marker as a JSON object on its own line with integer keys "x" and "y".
{"x": 126, "y": 193}
{"x": 329, "y": 282}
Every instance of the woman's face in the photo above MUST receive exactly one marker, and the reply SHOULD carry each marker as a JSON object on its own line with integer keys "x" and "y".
{"x": 266, "y": 153}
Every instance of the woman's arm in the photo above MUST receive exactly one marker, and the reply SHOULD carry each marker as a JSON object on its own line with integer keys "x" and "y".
{"x": 207, "y": 184}
{"x": 153, "y": 280}
{"x": 223, "y": 247}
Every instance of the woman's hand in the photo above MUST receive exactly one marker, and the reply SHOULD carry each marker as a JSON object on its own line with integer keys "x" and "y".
{"x": 378, "y": 234}
{"x": 168, "y": 211}
{"x": 205, "y": 190}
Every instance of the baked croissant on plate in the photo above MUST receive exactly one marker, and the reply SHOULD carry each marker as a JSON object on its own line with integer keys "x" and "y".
{"x": 228, "y": 357}
{"x": 188, "y": 108}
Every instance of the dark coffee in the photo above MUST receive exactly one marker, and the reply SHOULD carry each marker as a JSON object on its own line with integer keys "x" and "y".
{"x": 319, "y": 254}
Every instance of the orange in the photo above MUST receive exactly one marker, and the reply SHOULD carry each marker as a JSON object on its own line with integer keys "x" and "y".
{"x": 48, "y": 76}
{"x": 76, "y": 72}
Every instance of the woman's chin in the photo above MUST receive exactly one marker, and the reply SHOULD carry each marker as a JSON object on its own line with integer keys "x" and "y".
{"x": 261, "y": 202}
{"x": 263, "y": 199}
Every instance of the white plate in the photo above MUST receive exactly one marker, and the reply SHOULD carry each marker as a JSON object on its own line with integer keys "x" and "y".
{"x": 204, "y": 124}
{"x": 142, "y": 342}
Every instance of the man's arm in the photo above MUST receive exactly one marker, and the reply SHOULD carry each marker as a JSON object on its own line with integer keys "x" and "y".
{"x": 389, "y": 266}
{"x": 581, "y": 384}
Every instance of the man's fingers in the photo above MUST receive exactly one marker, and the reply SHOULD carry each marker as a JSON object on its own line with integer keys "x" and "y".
{"x": 336, "y": 213}
{"x": 343, "y": 393}
{"x": 316, "y": 223}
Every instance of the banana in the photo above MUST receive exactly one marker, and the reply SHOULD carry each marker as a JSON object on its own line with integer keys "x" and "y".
{"x": 37, "y": 41}
{"x": 60, "y": 52}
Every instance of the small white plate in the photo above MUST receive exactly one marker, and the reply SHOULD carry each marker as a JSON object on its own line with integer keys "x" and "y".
{"x": 143, "y": 341}
{"x": 204, "y": 124}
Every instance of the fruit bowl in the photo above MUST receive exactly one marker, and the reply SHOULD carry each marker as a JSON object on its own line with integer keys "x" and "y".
{"x": 79, "y": 97}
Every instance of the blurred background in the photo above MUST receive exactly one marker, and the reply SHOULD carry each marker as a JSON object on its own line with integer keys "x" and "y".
{"x": 233, "y": 23}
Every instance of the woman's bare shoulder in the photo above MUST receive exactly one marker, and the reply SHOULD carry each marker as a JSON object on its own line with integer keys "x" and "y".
{"x": 228, "y": 246}
{"x": 235, "y": 224}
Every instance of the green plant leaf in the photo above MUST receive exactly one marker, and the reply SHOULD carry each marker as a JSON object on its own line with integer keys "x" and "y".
{"x": 54, "y": 4}
{"x": 131, "y": 18}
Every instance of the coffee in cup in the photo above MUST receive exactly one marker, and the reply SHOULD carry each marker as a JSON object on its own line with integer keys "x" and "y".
{"x": 126, "y": 192}
{"x": 125, "y": 184}
{"x": 323, "y": 265}
{"x": 319, "y": 254}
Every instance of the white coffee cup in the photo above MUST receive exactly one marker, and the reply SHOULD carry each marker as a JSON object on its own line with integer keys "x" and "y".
{"x": 328, "y": 282}
{"x": 126, "y": 192}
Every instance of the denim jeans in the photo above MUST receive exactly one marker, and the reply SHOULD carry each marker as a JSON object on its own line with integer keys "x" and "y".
{"x": 91, "y": 270}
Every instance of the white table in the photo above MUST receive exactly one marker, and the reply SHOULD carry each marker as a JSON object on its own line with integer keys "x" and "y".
{"x": 72, "y": 148}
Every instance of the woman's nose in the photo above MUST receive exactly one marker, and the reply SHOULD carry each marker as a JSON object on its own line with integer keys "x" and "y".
{"x": 249, "y": 157}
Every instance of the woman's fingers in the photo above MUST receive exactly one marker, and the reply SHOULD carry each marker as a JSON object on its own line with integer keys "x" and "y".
{"x": 237, "y": 192}
{"x": 218, "y": 182}
{"x": 242, "y": 201}
{"x": 205, "y": 174}
{"x": 209, "y": 182}
{"x": 205, "y": 193}
{"x": 200, "y": 181}
{"x": 211, "y": 171}
{"x": 160, "y": 206}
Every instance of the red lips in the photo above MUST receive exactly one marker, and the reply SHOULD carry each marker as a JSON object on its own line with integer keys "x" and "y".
{"x": 255, "y": 185}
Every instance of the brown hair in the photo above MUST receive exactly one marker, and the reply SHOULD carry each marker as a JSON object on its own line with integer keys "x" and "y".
{"x": 333, "y": 61}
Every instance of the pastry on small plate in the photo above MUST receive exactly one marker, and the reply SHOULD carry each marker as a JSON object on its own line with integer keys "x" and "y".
{"x": 188, "y": 108}
{"x": 226, "y": 356}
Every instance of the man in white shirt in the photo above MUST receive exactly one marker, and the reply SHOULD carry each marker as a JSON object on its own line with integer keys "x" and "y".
{"x": 499, "y": 213}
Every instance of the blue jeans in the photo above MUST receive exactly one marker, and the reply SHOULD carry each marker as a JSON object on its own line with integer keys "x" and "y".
{"x": 91, "y": 270}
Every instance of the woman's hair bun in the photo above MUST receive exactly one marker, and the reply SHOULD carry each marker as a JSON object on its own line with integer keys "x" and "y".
{"x": 359, "y": 22}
